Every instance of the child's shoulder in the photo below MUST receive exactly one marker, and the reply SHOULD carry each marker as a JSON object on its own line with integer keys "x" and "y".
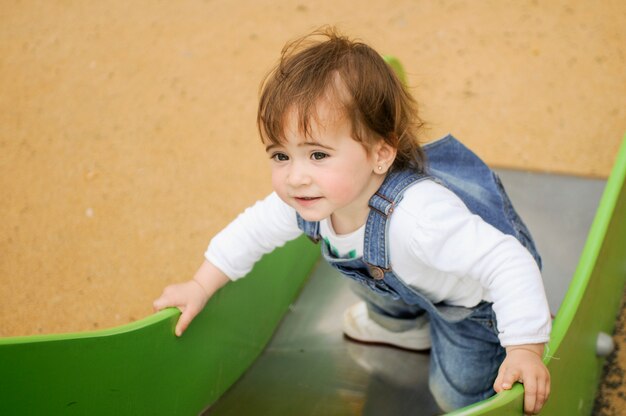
{"x": 429, "y": 202}
{"x": 427, "y": 192}
{"x": 427, "y": 212}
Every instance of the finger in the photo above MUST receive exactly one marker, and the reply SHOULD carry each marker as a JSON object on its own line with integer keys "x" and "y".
{"x": 509, "y": 378}
{"x": 184, "y": 321}
{"x": 530, "y": 395}
{"x": 169, "y": 298}
{"x": 540, "y": 398}
{"x": 159, "y": 304}
{"x": 163, "y": 302}
{"x": 543, "y": 392}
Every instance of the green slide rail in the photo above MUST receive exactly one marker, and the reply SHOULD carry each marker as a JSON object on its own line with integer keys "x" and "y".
{"x": 142, "y": 368}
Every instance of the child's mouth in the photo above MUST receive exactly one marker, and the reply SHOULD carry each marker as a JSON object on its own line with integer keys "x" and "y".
{"x": 306, "y": 200}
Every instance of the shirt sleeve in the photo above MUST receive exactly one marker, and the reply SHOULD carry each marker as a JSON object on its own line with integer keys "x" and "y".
{"x": 448, "y": 237}
{"x": 261, "y": 228}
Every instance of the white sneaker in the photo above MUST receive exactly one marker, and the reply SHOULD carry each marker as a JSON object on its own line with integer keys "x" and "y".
{"x": 358, "y": 326}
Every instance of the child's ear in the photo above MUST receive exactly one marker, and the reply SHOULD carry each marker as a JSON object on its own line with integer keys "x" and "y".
{"x": 383, "y": 156}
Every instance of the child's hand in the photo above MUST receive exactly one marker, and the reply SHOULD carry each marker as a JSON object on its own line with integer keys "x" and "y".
{"x": 190, "y": 297}
{"x": 523, "y": 364}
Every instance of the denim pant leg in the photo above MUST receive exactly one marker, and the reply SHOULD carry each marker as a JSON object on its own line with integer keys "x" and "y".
{"x": 394, "y": 315}
{"x": 465, "y": 358}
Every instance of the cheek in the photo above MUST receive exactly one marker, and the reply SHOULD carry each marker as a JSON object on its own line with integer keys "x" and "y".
{"x": 278, "y": 181}
{"x": 348, "y": 180}
{"x": 341, "y": 187}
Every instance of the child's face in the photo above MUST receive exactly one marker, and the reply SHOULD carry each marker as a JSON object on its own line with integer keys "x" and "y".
{"x": 325, "y": 174}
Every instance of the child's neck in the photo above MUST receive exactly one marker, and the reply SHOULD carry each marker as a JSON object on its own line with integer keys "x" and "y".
{"x": 346, "y": 224}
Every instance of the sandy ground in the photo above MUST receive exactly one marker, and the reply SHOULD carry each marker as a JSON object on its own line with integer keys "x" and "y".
{"x": 128, "y": 137}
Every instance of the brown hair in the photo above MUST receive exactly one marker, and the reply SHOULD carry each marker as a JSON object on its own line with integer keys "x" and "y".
{"x": 376, "y": 102}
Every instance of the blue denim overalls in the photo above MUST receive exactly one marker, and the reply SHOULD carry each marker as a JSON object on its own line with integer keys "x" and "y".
{"x": 465, "y": 352}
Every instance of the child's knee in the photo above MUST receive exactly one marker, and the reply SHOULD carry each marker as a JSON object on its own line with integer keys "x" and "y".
{"x": 454, "y": 391}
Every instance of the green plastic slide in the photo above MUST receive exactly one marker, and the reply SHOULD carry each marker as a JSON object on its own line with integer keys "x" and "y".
{"x": 142, "y": 368}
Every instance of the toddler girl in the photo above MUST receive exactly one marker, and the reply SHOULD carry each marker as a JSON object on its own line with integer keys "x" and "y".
{"x": 432, "y": 244}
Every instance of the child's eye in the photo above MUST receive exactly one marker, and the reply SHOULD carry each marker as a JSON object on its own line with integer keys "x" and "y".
{"x": 318, "y": 155}
{"x": 279, "y": 157}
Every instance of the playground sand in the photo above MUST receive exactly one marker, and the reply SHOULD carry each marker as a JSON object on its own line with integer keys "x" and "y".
{"x": 127, "y": 135}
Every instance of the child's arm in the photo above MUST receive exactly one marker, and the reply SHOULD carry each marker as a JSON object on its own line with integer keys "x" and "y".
{"x": 191, "y": 296}
{"x": 524, "y": 364}
{"x": 448, "y": 238}
{"x": 232, "y": 253}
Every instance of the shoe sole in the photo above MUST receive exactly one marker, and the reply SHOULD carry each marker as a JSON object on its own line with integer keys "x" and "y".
{"x": 385, "y": 344}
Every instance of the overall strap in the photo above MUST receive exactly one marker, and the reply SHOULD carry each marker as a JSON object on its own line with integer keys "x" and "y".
{"x": 382, "y": 204}
{"x": 465, "y": 174}
{"x": 310, "y": 228}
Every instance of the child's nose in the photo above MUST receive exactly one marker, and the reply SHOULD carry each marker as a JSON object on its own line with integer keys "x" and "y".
{"x": 298, "y": 175}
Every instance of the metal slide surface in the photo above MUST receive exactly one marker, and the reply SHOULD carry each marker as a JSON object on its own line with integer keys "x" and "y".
{"x": 310, "y": 369}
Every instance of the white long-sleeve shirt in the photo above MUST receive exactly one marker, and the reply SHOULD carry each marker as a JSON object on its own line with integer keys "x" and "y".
{"x": 436, "y": 245}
